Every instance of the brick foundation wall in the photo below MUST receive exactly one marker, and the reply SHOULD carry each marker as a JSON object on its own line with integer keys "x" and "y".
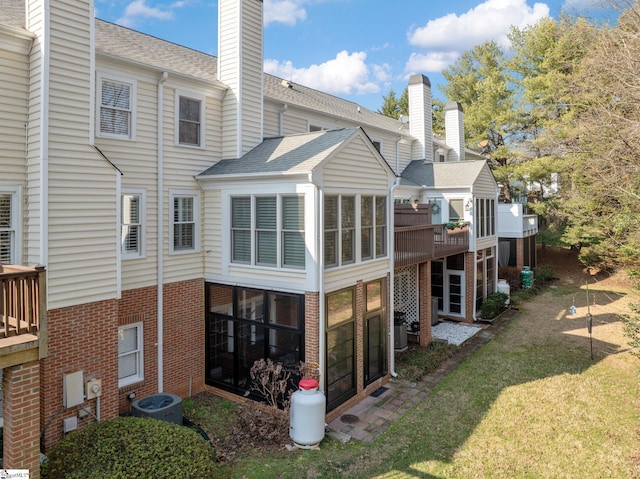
{"x": 424, "y": 300}
{"x": 359, "y": 319}
{"x": 519, "y": 253}
{"x": 312, "y": 327}
{"x": 184, "y": 342}
{"x": 140, "y": 305}
{"x": 81, "y": 338}
{"x": 85, "y": 338}
{"x": 21, "y": 432}
{"x": 470, "y": 285}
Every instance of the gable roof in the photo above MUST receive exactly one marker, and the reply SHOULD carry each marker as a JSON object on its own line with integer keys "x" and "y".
{"x": 129, "y": 45}
{"x": 454, "y": 174}
{"x": 287, "y": 155}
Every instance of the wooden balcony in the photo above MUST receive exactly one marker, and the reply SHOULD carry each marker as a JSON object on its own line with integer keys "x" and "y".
{"x": 418, "y": 241}
{"x": 23, "y": 325}
{"x": 418, "y": 244}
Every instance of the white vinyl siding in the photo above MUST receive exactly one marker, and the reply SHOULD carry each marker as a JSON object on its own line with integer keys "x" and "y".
{"x": 268, "y": 231}
{"x": 10, "y": 224}
{"x": 116, "y": 111}
{"x": 185, "y": 222}
{"x": 81, "y": 185}
{"x": 130, "y": 354}
{"x": 339, "y": 172}
{"x": 132, "y": 233}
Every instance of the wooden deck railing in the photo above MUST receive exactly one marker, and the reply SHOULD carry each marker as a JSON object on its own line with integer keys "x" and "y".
{"x": 22, "y": 301}
{"x": 418, "y": 244}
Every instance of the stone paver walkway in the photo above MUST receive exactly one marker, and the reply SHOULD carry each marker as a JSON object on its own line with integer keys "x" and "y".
{"x": 373, "y": 415}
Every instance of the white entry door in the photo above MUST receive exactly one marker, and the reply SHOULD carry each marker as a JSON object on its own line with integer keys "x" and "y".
{"x": 454, "y": 295}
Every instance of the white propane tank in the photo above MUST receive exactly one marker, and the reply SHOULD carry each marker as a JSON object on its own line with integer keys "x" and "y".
{"x": 503, "y": 287}
{"x": 306, "y": 426}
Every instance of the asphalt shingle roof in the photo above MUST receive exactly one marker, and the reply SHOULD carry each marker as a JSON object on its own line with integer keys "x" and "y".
{"x": 454, "y": 174}
{"x": 284, "y": 154}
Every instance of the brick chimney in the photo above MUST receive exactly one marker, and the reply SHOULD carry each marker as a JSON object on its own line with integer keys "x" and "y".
{"x": 240, "y": 67}
{"x": 420, "y": 122}
{"x": 454, "y": 128}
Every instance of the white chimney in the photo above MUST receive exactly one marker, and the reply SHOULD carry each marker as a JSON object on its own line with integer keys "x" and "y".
{"x": 420, "y": 122}
{"x": 240, "y": 67}
{"x": 454, "y": 128}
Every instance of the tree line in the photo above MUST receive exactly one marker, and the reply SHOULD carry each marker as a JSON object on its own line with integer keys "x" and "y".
{"x": 560, "y": 107}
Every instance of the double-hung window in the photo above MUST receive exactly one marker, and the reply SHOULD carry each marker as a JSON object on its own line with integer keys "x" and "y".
{"x": 456, "y": 209}
{"x": 116, "y": 111}
{"x": 130, "y": 354}
{"x": 132, "y": 226}
{"x": 9, "y": 225}
{"x": 485, "y": 222}
{"x": 373, "y": 227}
{"x": 347, "y": 228}
{"x": 190, "y": 120}
{"x": 268, "y": 230}
{"x": 185, "y": 221}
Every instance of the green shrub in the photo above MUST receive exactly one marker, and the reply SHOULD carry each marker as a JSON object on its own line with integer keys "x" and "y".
{"x": 415, "y": 364}
{"x": 131, "y": 447}
{"x": 544, "y": 273}
{"x": 493, "y": 305}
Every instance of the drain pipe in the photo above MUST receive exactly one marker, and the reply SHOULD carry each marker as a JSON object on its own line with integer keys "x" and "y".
{"x": 160, "y": 253}
{"x": 391, "y": 243}
{"x": 319, "y": 200}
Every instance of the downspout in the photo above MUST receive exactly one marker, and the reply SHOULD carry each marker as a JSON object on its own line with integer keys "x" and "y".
{"x": 391, "y": 243}
{"x": 320, "y": 270}
{"x": 398, "y": 140}
{"x": 281, "y": 119}
{"x": 160, "y": 253}
{"x": 44, "y": 137}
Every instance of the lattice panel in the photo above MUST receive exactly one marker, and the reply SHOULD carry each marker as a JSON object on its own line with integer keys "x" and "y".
{"x": 405, "y": 293}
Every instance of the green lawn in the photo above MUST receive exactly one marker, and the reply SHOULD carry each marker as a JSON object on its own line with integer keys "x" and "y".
{"x": 529, "y": 404}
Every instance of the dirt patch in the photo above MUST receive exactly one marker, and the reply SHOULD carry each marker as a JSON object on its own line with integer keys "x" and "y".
{"x": 253, "y": 429}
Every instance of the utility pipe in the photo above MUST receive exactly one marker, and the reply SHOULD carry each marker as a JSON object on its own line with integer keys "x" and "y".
{"x": 160, "y": 252}
{"x": 391, "y": 243}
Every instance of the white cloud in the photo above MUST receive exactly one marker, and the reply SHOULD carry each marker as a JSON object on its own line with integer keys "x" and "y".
{"x": 346, "y": 74}
{"x": 430, "y": 61}
{"x": 139, "y": 9}
{"x": 445, "y": 38}
{"x": 288, "y": 12}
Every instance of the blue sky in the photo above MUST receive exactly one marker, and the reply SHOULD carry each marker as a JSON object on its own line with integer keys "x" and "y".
{"x": 354, "y": 49}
